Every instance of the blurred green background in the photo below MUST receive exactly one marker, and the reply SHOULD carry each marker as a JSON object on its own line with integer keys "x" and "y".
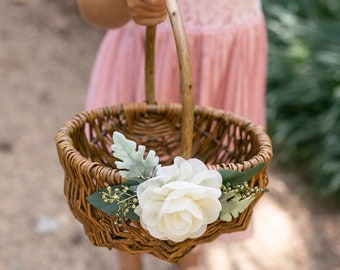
{"x": 303, "y": 100}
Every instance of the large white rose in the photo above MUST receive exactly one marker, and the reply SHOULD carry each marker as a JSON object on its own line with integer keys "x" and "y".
{"x": 180, "y": 200}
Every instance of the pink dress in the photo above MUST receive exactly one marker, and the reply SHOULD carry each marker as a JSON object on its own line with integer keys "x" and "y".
{"x": 228, "y": 46}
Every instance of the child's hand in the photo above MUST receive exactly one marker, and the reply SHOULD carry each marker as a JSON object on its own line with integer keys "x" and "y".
{"x": 147, "y": 12}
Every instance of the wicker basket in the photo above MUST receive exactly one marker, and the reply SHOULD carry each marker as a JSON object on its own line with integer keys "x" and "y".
{"x": 218, "y": 138}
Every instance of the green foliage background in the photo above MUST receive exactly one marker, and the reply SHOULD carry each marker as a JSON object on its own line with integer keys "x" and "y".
{"x": 303, "y": 99}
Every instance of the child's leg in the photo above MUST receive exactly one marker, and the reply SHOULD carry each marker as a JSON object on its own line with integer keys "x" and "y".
{"x": 190, "y": 260}
{"x": 134, "y": 262}
{"x": 130, "y": 262}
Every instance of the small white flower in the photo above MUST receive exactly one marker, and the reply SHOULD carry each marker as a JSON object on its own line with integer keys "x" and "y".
{"x": 180, "y": 201}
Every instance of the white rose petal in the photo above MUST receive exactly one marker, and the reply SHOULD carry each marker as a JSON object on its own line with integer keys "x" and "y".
{"x": 197, "y": 165}
{"x": 180, "y": 201}
{"x": 207, "y": 178}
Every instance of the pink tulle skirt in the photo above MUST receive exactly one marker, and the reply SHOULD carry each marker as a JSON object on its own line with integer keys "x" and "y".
{"x": 229, "y": 67}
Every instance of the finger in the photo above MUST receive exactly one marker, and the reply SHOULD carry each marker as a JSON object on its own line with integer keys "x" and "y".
{"x": 147, "y": 12}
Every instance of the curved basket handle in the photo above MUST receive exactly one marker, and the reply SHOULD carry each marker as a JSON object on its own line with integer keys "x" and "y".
{"x": 186, "y": 83}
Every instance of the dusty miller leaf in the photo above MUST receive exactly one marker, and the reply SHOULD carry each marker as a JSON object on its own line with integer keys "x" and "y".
{"x": 132, "y": 160}
{"x": 232, "y": 205}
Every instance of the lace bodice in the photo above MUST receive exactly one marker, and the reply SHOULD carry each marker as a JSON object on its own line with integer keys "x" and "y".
{"x": 217, "y": 13}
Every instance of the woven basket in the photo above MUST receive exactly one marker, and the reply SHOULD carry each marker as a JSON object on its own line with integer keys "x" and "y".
{"x": 218, "y": 138}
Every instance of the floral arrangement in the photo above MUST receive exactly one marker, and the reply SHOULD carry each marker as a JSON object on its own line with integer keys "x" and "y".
{"x": 173, "y": 202}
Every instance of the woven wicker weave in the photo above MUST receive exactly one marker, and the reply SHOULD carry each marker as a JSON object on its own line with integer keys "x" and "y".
{"x": 218, "y": 138}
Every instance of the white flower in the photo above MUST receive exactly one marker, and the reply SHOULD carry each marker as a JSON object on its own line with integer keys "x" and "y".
{"x": 180, "y": 201}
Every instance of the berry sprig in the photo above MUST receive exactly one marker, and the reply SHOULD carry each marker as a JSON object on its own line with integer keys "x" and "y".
{"x": 242, "y": 191}
{"x": 124, "y": 197}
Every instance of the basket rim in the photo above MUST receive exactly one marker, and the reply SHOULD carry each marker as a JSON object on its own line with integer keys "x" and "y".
{"x": 64, "y": 138}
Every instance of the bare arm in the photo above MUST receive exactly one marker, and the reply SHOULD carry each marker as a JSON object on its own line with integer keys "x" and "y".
{"x": 115, "y": 13}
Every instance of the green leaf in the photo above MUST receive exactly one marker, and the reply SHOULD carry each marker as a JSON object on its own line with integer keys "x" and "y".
{"x": 131, "y": 183}
{"x": 96, "y": 200}
{"x": 132, "y": 161}
{"x": 132, "y": 215}
{"x": 236, "y": 177}
{"x": 233, "y": 205}
{"x": 116, "y": 201}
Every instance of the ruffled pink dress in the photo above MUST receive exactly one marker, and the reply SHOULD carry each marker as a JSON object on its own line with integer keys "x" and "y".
{"x": 228, "y": 46}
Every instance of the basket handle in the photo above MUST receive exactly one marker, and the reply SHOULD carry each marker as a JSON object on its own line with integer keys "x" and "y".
{"x": 186, "y": 84}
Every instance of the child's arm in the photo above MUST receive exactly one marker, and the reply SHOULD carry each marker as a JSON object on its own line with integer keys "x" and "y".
{"x": 115, "y": 13}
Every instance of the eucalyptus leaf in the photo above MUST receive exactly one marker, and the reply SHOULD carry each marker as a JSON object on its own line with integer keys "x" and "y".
{"x": 132, "y": 215}
{"x": 233, "y": 205}
{"x": 132, "y": 162}
{"x": 133, "y": 187}
{"x": 130, "y": 183}
{"x": 96, "y": 200}
{"x": 236, "y": 177}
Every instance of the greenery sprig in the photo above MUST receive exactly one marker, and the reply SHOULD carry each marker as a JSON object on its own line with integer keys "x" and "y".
{"x": 235, "y": 199}
{"x": 121, "y": 200}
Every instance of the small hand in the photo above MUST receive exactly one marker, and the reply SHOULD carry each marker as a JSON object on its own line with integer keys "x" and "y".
{"x": 147, "y": 12}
